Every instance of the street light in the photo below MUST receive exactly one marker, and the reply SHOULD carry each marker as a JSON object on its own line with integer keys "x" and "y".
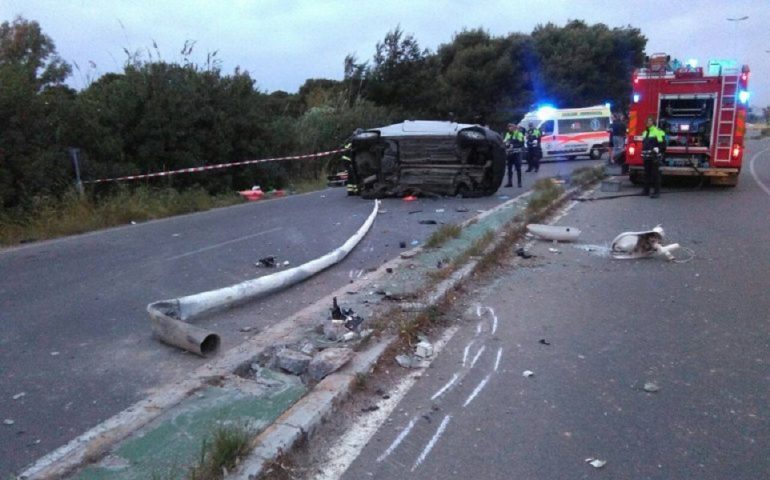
{"x": 735, "y": 22}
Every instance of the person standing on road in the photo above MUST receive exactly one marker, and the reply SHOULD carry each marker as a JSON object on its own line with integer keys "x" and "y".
{"x": 514, "y": 144}
{"x": 653, "y": 146}
{"x": 534, "y": 150}
{"x": 618, "y": 133}
{"x": 350, "y": 166}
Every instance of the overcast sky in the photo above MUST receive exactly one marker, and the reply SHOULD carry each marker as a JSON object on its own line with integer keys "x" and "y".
{"x": 283, "y": 43}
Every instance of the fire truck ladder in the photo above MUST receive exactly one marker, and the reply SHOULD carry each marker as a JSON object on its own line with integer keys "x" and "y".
{"x": 727, "y": 99}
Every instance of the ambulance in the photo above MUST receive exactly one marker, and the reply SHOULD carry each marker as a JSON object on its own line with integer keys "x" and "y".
{"x": 571, "y": 132}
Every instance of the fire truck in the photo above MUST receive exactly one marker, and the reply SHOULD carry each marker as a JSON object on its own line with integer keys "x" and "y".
{"x": 703, "y": 113}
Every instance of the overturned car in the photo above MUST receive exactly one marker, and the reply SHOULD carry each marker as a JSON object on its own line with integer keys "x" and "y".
{"x": 429, "y": 158}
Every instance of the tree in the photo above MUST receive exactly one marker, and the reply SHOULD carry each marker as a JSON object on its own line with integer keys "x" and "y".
{"x": 33, "y": 104}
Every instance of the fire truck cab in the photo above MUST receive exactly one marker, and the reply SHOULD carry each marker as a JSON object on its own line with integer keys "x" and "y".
{"x": 703, "y": 113}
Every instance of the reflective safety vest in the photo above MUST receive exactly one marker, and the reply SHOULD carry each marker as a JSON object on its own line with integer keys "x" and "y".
{"x": 516, "y": 138}
{"x": 345, "y": 157}
{"x": 653, "y": 137}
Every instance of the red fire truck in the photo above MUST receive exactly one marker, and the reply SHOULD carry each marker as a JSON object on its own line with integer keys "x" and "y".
{"x": 703, "y": 113}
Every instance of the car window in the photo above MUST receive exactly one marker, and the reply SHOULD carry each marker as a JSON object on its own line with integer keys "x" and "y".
{"x": 547, "y": 127}
{"x": 583, "y": 125}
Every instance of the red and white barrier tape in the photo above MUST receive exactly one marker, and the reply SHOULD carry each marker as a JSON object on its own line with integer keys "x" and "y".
{"x": 216, "y": 167}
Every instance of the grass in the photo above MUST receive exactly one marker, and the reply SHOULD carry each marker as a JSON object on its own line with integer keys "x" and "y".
{"x": 71, "y": 214}
{"x": 221, "y": 454}
{"x": 443, "y": 234}
{"x": 544, "y": 193}
{"x": 585, "y": 176}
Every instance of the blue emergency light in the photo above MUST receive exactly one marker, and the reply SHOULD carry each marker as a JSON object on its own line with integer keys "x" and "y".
{"x": 545, "y": 112}
{"x": 743, "y": 96}
{"x": 637, "y": 97}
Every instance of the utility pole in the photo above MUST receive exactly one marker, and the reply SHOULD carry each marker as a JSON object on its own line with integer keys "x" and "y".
{"x": 75, "y": 155}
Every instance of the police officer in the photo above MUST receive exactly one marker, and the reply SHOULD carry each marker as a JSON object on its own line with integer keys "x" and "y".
{"x": 534, "y": 151}
{"x": 514, "y": 144}
{"x": 653, "y": 146}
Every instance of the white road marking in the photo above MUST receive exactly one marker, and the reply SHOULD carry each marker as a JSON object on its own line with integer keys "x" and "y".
{"x": 499, "y": 354}
{"x": 445, "y": 387}
{"x": 432, "y": 442}
{"x": 465, "y": 352}
{"x": 494, "y": 320}
{"x": 212, "y": 247}
{"x": 478, "y": 354}
{"x": 350, "y": 444}
{"x": 476, "y": 391}
{"x": 754, "y": 172}
{"x": 400, "y": 438}
{"x": 478, "y": 329}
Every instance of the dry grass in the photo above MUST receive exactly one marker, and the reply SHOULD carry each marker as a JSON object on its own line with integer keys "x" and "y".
{"x": 47, "y": 218}
{"x": 443, "y": 234}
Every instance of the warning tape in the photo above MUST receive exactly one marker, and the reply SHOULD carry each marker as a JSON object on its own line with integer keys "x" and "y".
{"x": 216, "y": 167}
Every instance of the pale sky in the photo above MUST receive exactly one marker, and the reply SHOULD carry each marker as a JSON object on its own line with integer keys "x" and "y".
{"x": 283, "y": 43}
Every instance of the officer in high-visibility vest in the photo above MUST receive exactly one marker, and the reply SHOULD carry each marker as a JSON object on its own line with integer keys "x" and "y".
{"x": 534, "y": 151}
{"x": 514, "y": 144}
{"x": 653, "y": 146}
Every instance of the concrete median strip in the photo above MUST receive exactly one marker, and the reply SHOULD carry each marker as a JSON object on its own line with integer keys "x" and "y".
{"x": 213, "y": 390}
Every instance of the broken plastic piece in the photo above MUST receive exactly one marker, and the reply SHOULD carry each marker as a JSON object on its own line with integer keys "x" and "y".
{"x": 631, "y": 245}
{"x": 554, "y": 232}
{"x": 528, "y": 373}
{"x": 595, "y": 462}
{"x": 651, "y": 387}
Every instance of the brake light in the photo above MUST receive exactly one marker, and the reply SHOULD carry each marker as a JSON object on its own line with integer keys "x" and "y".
{"x": 736, "y": 151}
{"x": 631, "y": 150}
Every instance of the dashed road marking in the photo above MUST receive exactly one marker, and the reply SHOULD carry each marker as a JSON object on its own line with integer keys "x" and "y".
{"x": 432, "y": 442}
{"x": 400, "y": 438}
{"x": 446, "y": 387}
{"x": 478, "y": 354}
{"x": 477, "y": 390}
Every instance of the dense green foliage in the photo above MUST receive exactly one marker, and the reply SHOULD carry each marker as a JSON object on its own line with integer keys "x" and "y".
{"x": 157, "y": 115}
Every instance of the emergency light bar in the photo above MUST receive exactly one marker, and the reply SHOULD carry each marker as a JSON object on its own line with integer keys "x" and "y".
{"x": 743, "y": 96}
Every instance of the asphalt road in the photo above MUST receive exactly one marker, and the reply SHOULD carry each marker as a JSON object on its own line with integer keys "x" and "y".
{"x": 698, "y": 331}
{"x": 75, "y": 340}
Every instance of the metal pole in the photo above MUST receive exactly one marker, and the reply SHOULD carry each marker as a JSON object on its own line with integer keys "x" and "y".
{"x": 75, "y": 154}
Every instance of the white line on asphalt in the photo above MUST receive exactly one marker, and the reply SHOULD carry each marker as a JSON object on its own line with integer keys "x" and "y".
{"x": 754, "y": 172}
{"x": 478, "y": 354}
{"x": 478, "y": 329}
{"x": 499, "y": 354}
{"x": 432, "y": 442}
{"x": 494, "y": 320}
{"x": 211, "y": 247}
{"x": 350, "y": 444}
{"x": 476, "y": 390}
{"x": 465, "y": 352}
{"x": 445, "y": 387}
{"x": 400, "y": 438}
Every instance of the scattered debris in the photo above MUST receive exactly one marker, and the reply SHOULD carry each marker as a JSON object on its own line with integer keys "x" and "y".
{"x": 19, "y": 395}
{"x": 388, "y": 270}
{"x": 423, "y": 349}
{"x": 246, "y": 329}
{"x": 651, "y": 387}
{"x": 408, "y": 254}
{"x": 543, "y": 341}
{"x": 461, "y": 209}
{"x": 293, "y": 361}
{"x": 349, "y": 336}
{"x": 595, "y": 462}
{"x": 286, "y": 263}
{"x": 266, "y": 262}
{"x": 8, "y": 421}
{"x": 132, "y": 222}
{"x": 382, "y": 210}
{"x": 53, "y": 354}
{"x": 415, "y": 242}
{"x": 523, "y": 253}
{"x": 405, "y": 361}
{"x": 554, "y": 232}
{"x": 402, "y": 244}
{"x": 371, "y": 408}
{"x": 428, "y": 222}
{"x": 439, "y": 210}
{"x": 528, "y": 373}
{"x": 631, "y": 245}
{"x": 414, "y": 211}
{"x": 554, "y": 250}
{"x": 503, "y": 197}
{"x": 336, "y": 311}
{"x": 327, "y": 361}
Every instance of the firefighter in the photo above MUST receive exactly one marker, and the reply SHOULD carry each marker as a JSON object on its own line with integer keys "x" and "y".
{"x": 350, "y": 166}
{"x": 653, "y": 146}
{"x": 534, "y": 151}
{"x": 514, "y": 144}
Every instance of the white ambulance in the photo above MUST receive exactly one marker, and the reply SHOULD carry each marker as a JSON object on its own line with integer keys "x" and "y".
{"x": 572, "y": 132}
